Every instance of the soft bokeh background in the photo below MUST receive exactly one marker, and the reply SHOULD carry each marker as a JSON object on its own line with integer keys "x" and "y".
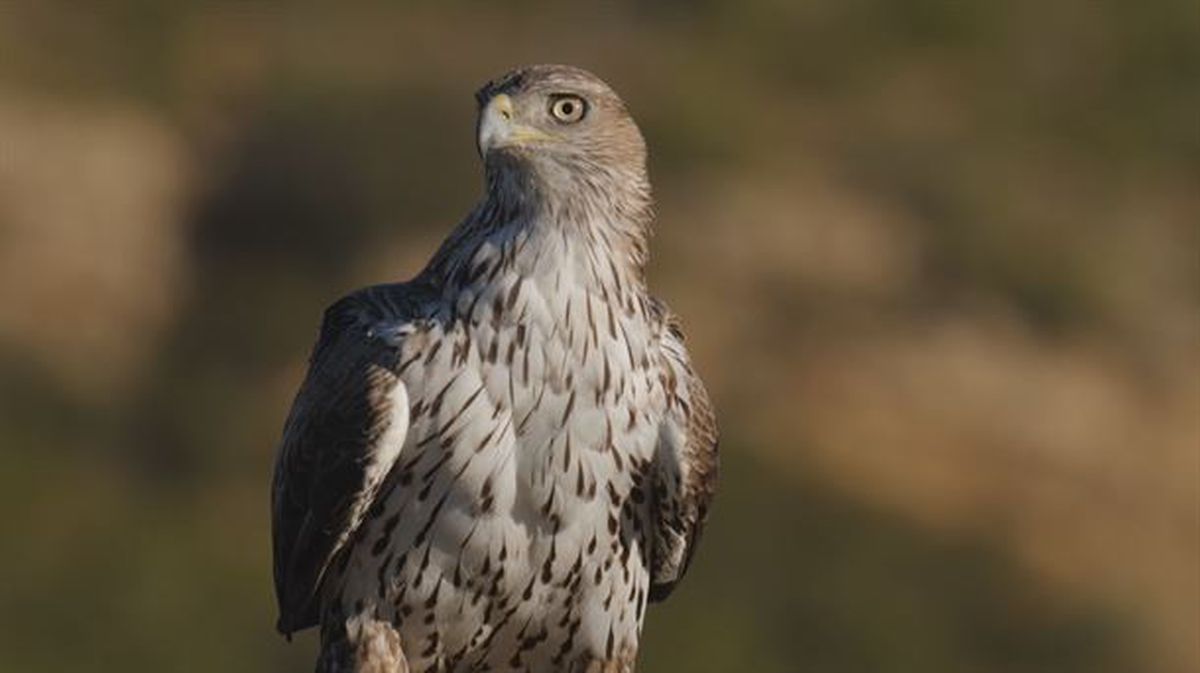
{"x": 939, "y": 261}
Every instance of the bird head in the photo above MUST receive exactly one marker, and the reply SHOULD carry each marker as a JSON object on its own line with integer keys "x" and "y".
{"x": 564, "y": 128}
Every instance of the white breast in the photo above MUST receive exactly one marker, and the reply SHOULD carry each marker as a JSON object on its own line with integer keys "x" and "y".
{"x": 534, "y": 402}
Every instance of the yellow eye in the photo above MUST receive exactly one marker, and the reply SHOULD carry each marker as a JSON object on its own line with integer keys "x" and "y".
{"x": 568, "y": 109}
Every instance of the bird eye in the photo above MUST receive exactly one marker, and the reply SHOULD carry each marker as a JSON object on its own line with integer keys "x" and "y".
{"x": 568, "y": 109}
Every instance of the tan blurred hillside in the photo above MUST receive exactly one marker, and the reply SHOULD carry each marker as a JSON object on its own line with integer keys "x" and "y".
{"x": 939, "y": 261}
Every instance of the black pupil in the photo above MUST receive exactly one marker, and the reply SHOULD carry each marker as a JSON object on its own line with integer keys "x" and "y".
{"x": 567, "y": 108}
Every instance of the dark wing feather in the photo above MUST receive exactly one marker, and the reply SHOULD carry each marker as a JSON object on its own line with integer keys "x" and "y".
{"x": 331, "y": 438}
{"x": 685, "y": 465}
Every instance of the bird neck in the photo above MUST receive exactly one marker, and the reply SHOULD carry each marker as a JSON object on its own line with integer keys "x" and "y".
{"x": 539, "y": 222}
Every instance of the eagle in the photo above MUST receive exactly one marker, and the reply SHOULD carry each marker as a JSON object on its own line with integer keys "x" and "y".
{"x": 498, "y": 464}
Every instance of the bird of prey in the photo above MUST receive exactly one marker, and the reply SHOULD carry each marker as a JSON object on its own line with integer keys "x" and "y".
{"x": 497, "y": 465}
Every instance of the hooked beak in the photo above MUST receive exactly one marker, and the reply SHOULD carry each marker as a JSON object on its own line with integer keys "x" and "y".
{"x": 497, "y": 128}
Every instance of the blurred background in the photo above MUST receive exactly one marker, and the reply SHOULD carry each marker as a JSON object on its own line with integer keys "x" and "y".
{"x": 955, "y": 247}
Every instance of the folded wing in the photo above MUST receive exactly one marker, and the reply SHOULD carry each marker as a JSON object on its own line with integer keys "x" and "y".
{"x": 685, "y": 466}
{"x": 343, "y": 435}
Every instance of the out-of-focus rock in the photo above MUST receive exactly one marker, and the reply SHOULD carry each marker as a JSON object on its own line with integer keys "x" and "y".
{"x": 91, "y": 238}
{"x": 1068, "y": 453}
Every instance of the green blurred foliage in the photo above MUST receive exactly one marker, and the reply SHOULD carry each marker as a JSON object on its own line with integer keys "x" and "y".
{"x": 831, "y": 586}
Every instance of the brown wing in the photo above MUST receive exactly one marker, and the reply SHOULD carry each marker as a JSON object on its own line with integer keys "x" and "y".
{"x": 331, "y": 460}
{"x": 685, "y": 466}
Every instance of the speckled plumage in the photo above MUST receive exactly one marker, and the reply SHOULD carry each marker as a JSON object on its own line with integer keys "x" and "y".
{"x": 497, "y": 465}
